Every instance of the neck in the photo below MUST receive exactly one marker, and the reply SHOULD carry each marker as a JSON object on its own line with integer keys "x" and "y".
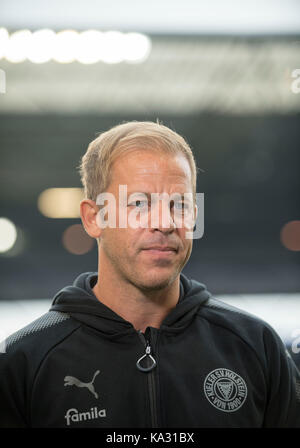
{"x": 142, "y": 309}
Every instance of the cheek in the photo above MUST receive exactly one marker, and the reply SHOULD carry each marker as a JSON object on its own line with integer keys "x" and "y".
{"x": 111, "y": 241}
{"x": 119, "y": 240}
{"x": 186, "y": 242}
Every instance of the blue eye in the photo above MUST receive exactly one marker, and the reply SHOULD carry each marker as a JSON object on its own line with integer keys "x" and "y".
{"x": 139, "y": 203}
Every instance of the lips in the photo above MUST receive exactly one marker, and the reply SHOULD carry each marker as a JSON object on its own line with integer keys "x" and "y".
{"x": 161, "y": 248}
{"x": 160, "y": 253}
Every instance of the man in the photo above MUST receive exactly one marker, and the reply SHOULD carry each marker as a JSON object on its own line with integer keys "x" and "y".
{"x": 138, "y": 344}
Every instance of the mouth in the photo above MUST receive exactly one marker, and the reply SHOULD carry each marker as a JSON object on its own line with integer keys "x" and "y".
{"x": 160, "y": 251}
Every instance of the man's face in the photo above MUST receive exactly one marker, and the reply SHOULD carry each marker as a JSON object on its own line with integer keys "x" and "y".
{"x": 149, "y": 257}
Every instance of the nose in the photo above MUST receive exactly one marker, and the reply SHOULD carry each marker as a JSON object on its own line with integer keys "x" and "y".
{"x": 161, "y": 218}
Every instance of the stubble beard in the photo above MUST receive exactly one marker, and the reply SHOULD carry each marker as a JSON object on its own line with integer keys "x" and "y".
{"x": 142, "y": 279}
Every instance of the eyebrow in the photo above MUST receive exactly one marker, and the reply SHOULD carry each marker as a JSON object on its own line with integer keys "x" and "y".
{"x": 129, "y": 193}
{"x": 148, "y": 195}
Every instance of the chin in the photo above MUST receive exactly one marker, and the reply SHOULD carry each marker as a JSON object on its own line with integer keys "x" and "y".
{"x": 154, "y": 282}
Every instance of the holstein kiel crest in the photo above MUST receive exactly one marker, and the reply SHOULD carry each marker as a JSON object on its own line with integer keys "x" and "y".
{"x": 225, "y": 390}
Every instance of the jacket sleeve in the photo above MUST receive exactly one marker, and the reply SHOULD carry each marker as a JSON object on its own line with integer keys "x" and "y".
{"x": 12, "y": 390}
{"x": 283, "y": 407}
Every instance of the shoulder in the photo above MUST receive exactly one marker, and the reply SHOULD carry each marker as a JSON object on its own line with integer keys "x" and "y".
{"x": 236, "y": 323}
{"x": 40, "y": 335}
{"x": 223, "y": 313}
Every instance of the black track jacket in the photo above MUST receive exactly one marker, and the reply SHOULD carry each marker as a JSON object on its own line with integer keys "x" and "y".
{"x": 216, "y": 366}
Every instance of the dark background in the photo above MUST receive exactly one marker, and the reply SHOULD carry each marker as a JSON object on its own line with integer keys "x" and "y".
{"x": 250, "y": 182}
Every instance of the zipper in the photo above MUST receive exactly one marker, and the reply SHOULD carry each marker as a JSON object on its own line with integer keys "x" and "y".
{"x": 151, "y": 363}
{"x": 150, "y": 370}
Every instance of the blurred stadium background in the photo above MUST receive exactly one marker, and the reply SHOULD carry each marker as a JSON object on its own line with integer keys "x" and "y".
{"x": 224, "y": 74}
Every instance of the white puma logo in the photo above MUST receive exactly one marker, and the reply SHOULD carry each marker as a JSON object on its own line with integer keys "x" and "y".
{"x": 72, "y": 381}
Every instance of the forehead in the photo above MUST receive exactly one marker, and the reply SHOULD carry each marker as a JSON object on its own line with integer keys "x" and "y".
{"x": 151, "y": 165}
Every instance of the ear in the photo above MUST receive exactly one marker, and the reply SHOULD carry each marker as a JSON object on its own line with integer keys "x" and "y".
{"x": 195, "y": 213}
{"x": 89, "y": 211}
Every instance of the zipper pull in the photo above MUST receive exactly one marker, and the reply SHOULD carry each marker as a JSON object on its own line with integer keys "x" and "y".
{"x": 146, "y": 355}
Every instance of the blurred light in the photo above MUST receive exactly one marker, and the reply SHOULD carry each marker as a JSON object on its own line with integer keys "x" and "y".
{"x": 60, "y": 202}
{"x": 65, "y": 44}
{"x": 290, "y": 235}
{"x": 89, "y": 47}
{"x": 4, "y": 38}
{"x": 41, "y": 46}
{"x": 112, "y": 51}
{"x": 8, "y": 234}
{"x": 20, "y": 245}
{"x": 17, "y": 46}
{"x": 137, "y": 47}
{"x": 76, "y": 240}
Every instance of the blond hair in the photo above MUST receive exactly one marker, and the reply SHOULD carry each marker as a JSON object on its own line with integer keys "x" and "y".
{"x": 95, "y": 166}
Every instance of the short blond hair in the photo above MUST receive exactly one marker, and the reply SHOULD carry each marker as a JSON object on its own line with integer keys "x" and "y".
{"x": 95, "y": 166}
